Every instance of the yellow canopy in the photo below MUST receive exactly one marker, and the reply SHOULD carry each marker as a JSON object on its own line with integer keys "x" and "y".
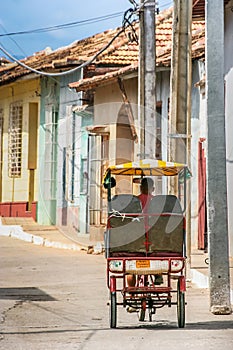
{"x": 146, "y": 167}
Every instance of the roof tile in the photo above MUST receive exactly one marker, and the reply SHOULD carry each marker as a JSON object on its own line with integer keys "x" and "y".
{"x": 121, "y": 52}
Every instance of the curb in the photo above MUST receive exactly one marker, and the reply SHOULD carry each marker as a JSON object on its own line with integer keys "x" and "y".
{"x": 17, "y": 232}
{"x": 200, "y": 279}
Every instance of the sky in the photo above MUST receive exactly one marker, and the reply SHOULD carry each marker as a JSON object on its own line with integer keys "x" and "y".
{"x": 24, "y": 15}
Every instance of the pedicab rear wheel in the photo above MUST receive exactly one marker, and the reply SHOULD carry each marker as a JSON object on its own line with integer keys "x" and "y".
{"x": 180, "y": 307}
{"x": 113, "y": 310}
{"x": 142, "y": 315}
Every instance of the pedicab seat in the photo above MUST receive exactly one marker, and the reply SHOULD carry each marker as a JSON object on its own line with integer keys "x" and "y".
{"x": 126, "y": 233}
{"x": 126, "y": 203}
{"x": 165, "y": 204}
{"x": 166, "y": 223}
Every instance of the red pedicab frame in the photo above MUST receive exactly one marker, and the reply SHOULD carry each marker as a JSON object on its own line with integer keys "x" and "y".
{"x": 146, "y": 244}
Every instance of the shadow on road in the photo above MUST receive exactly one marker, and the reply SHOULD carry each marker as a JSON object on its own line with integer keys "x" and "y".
{"x": 25, "y": 294}
{"x": 209, "y": 325}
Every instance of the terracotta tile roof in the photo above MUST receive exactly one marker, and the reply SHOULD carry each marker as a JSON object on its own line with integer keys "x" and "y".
{"x": 89, "y": 83}
{"x": 120, "y": 53}
{"x": 61, "y": 59}
{"x": 163, "y": 52}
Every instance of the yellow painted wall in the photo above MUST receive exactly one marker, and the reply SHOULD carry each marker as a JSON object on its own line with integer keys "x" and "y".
{"x": 26, "y": 91}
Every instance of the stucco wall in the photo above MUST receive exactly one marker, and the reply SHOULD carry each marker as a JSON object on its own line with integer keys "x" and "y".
{"x": 27, "y": 91}
{"x": 69, "y": 141}
{"x": 71, "y": 155}
{"x": 46, "y": 196}
{"x": 108, "y": 101}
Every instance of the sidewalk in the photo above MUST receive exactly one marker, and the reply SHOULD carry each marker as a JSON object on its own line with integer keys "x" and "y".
{"x": 50, "y": 236}
{"x": 28, "y": 230}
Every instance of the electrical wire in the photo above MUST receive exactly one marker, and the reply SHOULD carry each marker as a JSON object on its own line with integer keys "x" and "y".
{"x": 13, "y": 40}
{"x": 66, "y": 25}
{"x": 74, "y": 24}
{"x": 66, "y": 72}
{"x": 126, "y": 22}
{"x": 129, "y": 22}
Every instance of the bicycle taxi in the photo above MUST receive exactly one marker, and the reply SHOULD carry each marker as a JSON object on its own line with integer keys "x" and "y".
{"x": 146, "y": 244}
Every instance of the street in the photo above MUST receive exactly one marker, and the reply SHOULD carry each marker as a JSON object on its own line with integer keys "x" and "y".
{"x": 57, "y": 299}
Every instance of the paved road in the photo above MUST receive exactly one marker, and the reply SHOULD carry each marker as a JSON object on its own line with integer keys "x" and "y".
{"x": 56, "y": 299}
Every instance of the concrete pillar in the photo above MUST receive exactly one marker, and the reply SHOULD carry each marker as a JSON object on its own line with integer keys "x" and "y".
{"x": 216, "y": 161}
{"x": 147, "y": 76}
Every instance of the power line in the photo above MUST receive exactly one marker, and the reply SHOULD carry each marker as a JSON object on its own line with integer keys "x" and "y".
{"x": 66, "y": 72}
{"x": 71, "y": 24}
{"x": 66, "y": 25}
{"x": 13, "y": 40}
{"x": 127, "y": 22}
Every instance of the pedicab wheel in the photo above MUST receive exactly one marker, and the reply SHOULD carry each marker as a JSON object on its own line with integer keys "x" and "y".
{"x": 150, "y": 315}
{"x": 113, "y": 310}
{"x": 142, "y": 315}
{"x": 180, "y": 307}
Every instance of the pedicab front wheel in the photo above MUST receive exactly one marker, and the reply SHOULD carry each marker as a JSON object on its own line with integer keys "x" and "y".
{"x": 180, "y": 307}
{"x": 113, "y": 310}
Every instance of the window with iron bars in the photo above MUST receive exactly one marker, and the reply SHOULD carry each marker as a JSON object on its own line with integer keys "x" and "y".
{"x": 15, "y": 140}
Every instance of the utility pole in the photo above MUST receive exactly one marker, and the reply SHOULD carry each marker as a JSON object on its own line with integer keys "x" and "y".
{"x": 216, "y": 161}
{"x": 181, "y": 79}
{"x": 147, "y": 79}
{"x": 180, "y": 99}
